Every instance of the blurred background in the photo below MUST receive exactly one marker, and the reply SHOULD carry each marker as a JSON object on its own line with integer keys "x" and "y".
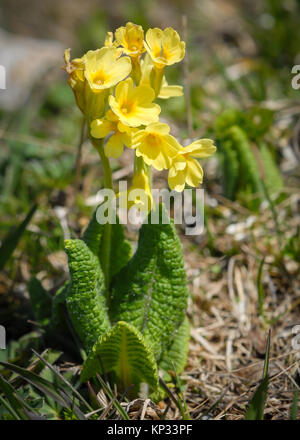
{"x": 244, "y": 269}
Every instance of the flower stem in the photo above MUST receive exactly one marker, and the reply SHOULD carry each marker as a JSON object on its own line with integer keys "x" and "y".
{"x": 157, "y": 78}
{"x": 136, "y": 70}
{"x": 140, "y": 165}
{"x": 106, "y": 239}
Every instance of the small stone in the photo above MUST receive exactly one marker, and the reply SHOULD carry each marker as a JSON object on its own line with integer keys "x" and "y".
{"x": 23, "y": 62}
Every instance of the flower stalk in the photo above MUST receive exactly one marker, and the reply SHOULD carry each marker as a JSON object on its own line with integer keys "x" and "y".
{"x": 106, "y": 243}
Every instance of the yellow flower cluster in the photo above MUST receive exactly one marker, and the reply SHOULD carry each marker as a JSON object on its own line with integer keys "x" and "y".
{"x": 115, "y": 87}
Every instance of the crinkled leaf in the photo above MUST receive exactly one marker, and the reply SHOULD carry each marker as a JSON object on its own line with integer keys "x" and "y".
{"x": 150, "y": 292}
{"x": 120, "y": 251}
{"x": 123, "y": 351}
{"x": 93, "y": 234}
{"x": 273, "y": 179}
{"x": 85, "y": 297}
{"x": 175, "y": 357}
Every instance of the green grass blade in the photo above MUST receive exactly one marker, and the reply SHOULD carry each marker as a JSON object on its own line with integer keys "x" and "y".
{"x": 172, "y": 396}
{"x": 267, "y": 356}
{"x": 257, "y": 405}
{"x": 294, "y": 409}
{"x": 116, "y": 404}
{"x": 74, "y": 391}
{"x": 19, "y": 406}
{"x": 9, "y": 408}
{"x": 215, "y": 404}
{"x": 260, "y": 289}
{"x": 151, "y": 291}
{"x": 41, "y": 384}
{"x": 185, "y": 411}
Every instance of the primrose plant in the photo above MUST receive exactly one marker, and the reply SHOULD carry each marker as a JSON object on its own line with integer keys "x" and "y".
{"x": 129, "y": 312}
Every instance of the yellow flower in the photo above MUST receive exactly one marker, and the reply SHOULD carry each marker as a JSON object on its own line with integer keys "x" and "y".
{"x": 103, "y": 68}
{"x": 91, "y": 105}
{"x": 139, "y": 194}
{"x": 156, "y": 145}
{"x": 75, "y": 69}
{"x": 122, "y": 134}
{"x": 134, "y": 106}
{"x": 185, "y": 168}
{"x": 146, "y": 69}
{"x": 131, "y": 38}
{"x": 109, "y": 39}
{"x": 164, "y": 47}
{"x": 166, "y": 90}
{"x": 109, "y": 42}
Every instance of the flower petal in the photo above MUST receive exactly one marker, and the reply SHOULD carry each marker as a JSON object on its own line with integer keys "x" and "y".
{"x": 167, "y": 91}
{"x": 100, "y": 128}
{"x": 143, "y": 94}
{"x": 153, "y": 40}
{"x": 114, "y": 146}
{"x": 176, "y": 179}
{"x": 119, "y": 70}
{"x": 141, "y": 115}
{"x": 194, "y": 173}
{"x": 201, "y": 148}
{"x": 158, "y": 128}
{"x": 123, "y": 89}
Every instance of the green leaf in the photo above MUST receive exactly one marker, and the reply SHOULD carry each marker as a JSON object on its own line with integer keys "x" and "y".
{"x": 40, "y": 300}
{"x": 58, "y": 319}
{"x": 225, "y": 120}
{"x": 47, "y": 388}
{"x": 11, "y": 241}
{"x": 260, "y": 289}
{"x": 175, "y": 357}
{"x": 258, "y": 401}
{"x": 230, "y": 167}
{"x": 16, "y": 404}
{"x": 9, "y": 408}
{"x": 294, "y": 409}
{"x": 93, "y": 234}
{"x": 273, "y": 179}
{"x": 150, "y": 292}
{"x": 243, "y": 166}
{"x": 123, "y": 351}
{"x": 120, "y": 252}
{"x": 41, "y": 384}
{"x": 249, "y": 169}
{"x": 85, "y": 297}
{"x": 257, "y": 404}
{"x": 257, "y": 122}
{"x": 267, "y": 356}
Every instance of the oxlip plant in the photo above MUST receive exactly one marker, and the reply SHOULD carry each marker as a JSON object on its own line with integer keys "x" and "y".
{"x": 129, "y": 312}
